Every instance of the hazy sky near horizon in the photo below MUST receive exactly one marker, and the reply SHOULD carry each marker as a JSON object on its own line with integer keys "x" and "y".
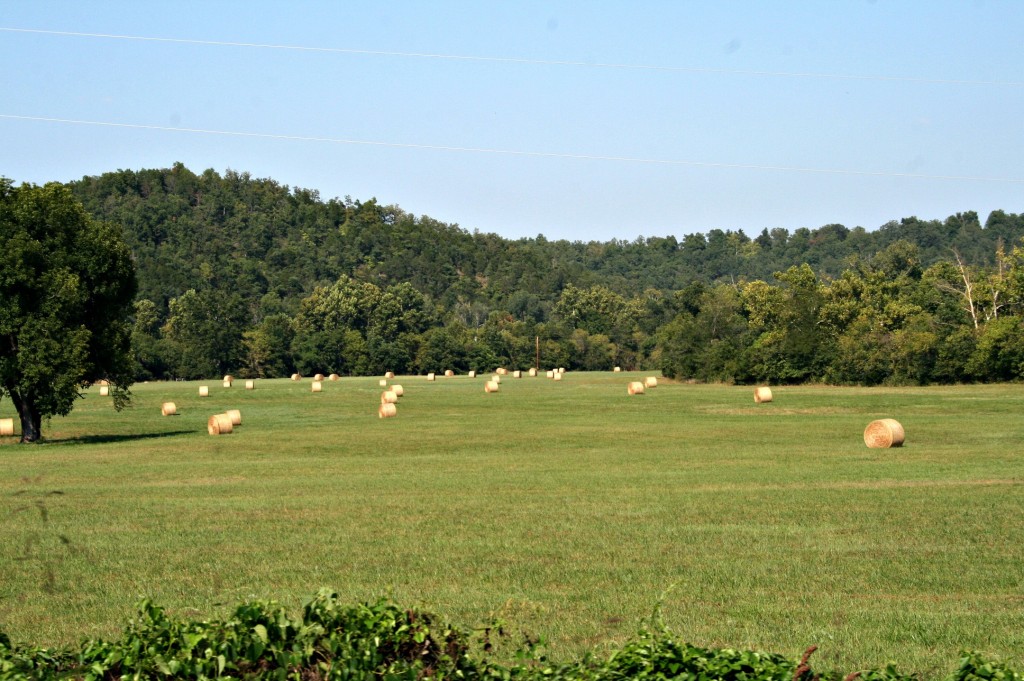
{"x": 576, "y": 120}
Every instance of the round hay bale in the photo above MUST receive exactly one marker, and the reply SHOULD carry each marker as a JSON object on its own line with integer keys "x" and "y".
{"x": 617, "y": 369}
{"x": 382, "y": 383}
{"x": 227, "y": 384}
{"x": 169, "y": 409}
{"x": 491, "y": 387}
{"x": 219, "y": 424}
{"x": 6, "y": 426}
{"x": 472, "y": 374}
{"x": 635, "y": 388}
{"x": 388, "y": 397}
{"x": 103, "y": 381}
{"x": 228, "y": 378}
{"x": 533, "y": 372}
{"x": 387, "y": 410}
{"x": 496, "y": 378}
{"x": 250, "y": 385}
{"x": 389, "y": 374}
{"x": 557, "y": 376}
{"x": 763, "y": 394}
{"x": 398, "y": 390}
{"x": 651, "y": 382}
{"x": 333, "y": 377}
{"x": 449, "y": 373}
{"x": 296, "y": 377}
{"x": 551, "y": 374}
{"x": 430, "y": 376}
{"x": 883, "y": 434}
{"x": 317, "y": 386}
{"x": 501, "y": 371}
{"x": 561, "y": 370}
{"x": 104, "y": 391}
{"x": 319, "y": 377}
{"x": 235, "y": 416}
{"x": 204, "y": 391}
{"x": 517, "y": 374}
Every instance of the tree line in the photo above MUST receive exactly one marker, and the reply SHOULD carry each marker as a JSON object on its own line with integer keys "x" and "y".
{"x": 247, "y": 276}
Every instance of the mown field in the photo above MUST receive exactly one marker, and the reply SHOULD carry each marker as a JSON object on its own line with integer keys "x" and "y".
{"x": 567, "y": 510}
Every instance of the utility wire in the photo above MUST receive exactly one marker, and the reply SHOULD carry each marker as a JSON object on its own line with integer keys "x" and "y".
{"x": 513, "y": 152}
{"x": 515, "y": 60}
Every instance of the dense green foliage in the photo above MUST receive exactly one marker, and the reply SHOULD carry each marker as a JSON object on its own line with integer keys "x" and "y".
{"x": 381, "y": 641}
{"x": 67, "y": 285}
{"x": 249, "y": 276}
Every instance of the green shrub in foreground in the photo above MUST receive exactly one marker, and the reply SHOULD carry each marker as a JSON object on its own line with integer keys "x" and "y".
{"x": 381, "y": 641}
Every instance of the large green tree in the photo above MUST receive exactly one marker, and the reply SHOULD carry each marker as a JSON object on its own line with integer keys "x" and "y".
{"x": 67, "y": 283}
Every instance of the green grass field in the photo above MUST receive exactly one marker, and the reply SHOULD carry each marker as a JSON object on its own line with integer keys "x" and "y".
{"x": 568, "y": 510}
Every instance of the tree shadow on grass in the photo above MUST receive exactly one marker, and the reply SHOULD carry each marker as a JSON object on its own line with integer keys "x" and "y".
{"x": 111, "y": 439}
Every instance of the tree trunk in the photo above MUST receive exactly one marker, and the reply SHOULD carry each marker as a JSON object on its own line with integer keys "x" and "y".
{"x": 31, "y": 420}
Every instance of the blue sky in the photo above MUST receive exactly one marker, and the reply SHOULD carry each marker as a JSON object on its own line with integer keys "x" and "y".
{"x": 723, "y": 109}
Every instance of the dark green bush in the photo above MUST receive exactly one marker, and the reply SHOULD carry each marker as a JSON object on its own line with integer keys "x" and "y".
{"x": 380, "y": 641}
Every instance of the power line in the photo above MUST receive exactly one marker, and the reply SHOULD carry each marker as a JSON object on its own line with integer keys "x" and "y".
{"x": 513, "y": 152}
{"x": 516, "y": 60}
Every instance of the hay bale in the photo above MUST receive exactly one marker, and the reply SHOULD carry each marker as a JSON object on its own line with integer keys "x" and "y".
{"x": 296, "y": 377}
{"x": 517, "y": 374}
{"x": 501, "y": 371}
{"x": 169, "y": 409}
{"x": 763, "y": 394}
{"x": 561, "y": 370}
{"x": 472, "y": 374}
{"x": 496, "y": 378}
{"x": 491, "y": 387}
{"x": 449, "y": 373}
{"x": 557, "y": 377}
{"x": 332, "y": 377}
{"x": 551, "y": 374}
{"x": 103, "y": 381}
{"x": 651, "y": 382}
{"x": 617, "y": 369}
{"x": 235, "y": 416}
{"x": 635, "y": 388}
{"x": 389, "y": 374}
{"x": 430, "y": 376}
{"x": 227, "y": 384}
{"x": 533, "y": 372}
{"x": 317, "y": 386}
{"x": 387, "y": 410}
{"x": 398, "y": 390}
{"x": 219, "y": 424}
{"x": 250, "y": 385}
{"x": 228, "y": 378}
{"x": 883, "y": 434}
{"x": 6, "y": 426}
{"x": 382, "y": 383}
{"x": 104, "y": 391}
{"x": 319, "y": 377}
{"x": 204, "y": 391}
{"x": 388, "y": 397}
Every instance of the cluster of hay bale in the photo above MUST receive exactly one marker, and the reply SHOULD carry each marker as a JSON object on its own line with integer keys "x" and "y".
{"x": 224, "y": 424}
{"x": 389, "y": 401}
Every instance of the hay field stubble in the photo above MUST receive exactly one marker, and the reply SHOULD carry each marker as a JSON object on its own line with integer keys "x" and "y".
{"x": 565, "y": 509}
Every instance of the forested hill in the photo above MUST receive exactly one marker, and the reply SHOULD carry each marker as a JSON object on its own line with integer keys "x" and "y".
{"x": 256, "y": 237}
{"x": 250, "y": 277}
